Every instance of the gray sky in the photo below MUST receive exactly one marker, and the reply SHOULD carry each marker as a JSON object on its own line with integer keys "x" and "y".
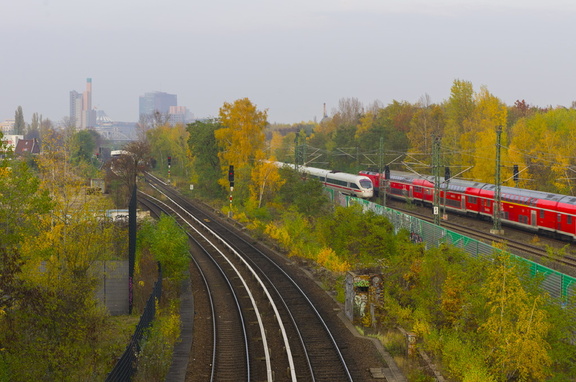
{"x": 289, "y": 57}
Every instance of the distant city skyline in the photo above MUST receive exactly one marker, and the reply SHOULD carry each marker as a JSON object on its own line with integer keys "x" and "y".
{"x": 288, "y": 58}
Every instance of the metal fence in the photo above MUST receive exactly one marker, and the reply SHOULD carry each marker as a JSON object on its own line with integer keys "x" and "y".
{"x": 557, "y": 284}
{"x": 126, "y": 366}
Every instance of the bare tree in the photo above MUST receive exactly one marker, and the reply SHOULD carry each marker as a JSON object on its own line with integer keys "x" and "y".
{"x": 350, "y": 110}
{"x": 133, "y": 161}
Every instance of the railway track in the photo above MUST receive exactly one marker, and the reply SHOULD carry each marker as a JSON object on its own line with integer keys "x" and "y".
{"x": 285, "y": 337}
{"x": 479, "y": 230}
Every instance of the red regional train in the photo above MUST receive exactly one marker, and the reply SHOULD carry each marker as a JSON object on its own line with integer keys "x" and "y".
{"x": 536, "y": 211}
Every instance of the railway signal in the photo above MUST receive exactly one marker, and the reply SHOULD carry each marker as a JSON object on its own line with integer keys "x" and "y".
{"x": 231, "y": 175}
{"x": 169, "y": 164}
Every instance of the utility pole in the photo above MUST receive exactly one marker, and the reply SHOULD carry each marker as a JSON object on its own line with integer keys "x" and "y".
{"x": 436, "y": 167}
{"x": 497, "y": 229}
{"x": 382, "y": 178}
{"x": 231, "y": 181}
{"x": 296, "y": 152}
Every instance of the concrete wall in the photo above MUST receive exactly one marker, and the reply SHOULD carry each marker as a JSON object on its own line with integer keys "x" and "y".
{"x": 113, "y": 290}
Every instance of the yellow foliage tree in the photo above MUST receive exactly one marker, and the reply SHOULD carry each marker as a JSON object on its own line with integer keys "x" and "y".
{"x": 242, "y": 138}
{"x": 266, "y": 179}
{"x": 516, "y": 327}
{"x": 479, "y": 138}
{"x": 459, "y": 110}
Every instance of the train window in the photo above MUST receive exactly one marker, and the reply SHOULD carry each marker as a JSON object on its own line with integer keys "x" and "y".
{"x": 417, "y": 189}
{"x": 472, "y": 199}
{"x": 541, "y": 214}
{"x": 453, "y": 203}
{"x": 365, "y": 183}
{"x": 568, "y": 219}
{"x": 559, "y": 218}
{"x": 354, "y": 186}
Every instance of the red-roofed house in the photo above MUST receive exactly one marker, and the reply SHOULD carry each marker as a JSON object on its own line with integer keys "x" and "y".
{"x": 27, "y": 146}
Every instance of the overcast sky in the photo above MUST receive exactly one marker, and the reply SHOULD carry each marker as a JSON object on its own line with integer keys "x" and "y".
{"x": 289, "y": 57}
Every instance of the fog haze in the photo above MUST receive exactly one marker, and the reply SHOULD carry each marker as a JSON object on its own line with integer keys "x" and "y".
{"x": 287, "y": 57}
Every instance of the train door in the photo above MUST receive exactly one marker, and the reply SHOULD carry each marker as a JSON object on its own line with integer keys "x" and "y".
{"x": 533, "y": 218}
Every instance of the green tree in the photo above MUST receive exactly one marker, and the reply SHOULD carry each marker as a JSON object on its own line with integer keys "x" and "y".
{"x": 305, "y": 195}
{"x": 356, "y": 236}
{"x": 19, "y": 124}
{"x": 170, "y": 141}
{"x": 34, "y": 128}
{"x": 168, "y": 243}
{"x": 203, "y": 150}
{"x": 83, "y": 146}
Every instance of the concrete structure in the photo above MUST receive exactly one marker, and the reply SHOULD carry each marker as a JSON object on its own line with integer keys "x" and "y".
{"x": 113, "y": 290}
{"x": 150, "y": 103}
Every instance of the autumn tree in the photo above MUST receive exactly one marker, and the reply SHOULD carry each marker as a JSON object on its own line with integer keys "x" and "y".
{"x": 516, "y": 329}
{"x": 170, "y": 141}
{"x": 426, "y": 123}
{"x": 241, "y": 141}
{"x": 459, "y": 108}
{"x": 265, "y": 181}
{"x": 478, "y": 140}
{"x": 56, "y": 324}
{"x": 542, "y": 145}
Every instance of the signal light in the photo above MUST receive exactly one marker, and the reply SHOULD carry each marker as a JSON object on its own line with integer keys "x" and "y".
{"x": 515, "y": 171}
{"x": 386, "y": 172}
{"x": 231, "y": 175}
{"x": 169, "y": 161}
{"x": 446, "y": 173}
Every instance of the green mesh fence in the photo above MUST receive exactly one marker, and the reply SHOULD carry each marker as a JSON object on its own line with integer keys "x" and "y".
{"x": 557, "y": 284}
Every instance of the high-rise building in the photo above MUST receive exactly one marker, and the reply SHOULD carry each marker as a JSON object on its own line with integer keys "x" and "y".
{"x": 160, "y": 102}
{"x": 75, "y": 108}
{"x": 81, "y": 113}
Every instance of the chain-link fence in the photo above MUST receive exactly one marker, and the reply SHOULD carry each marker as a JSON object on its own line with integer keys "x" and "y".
{"x": 557, "y": 284}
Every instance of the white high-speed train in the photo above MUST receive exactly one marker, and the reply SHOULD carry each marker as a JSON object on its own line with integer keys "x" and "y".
{"x": 349, "y": 184}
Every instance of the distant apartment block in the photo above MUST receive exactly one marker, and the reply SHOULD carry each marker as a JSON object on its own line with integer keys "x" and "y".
{"x": 82, "y": 115}
{"x": 179, "y": 115}
{"x": 7, "y": 127}
{"x": 160, "y": 102}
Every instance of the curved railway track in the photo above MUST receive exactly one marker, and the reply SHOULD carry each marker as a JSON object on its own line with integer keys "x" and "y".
{"x": 225, "y": 357}
{"x": 294, "y": 341}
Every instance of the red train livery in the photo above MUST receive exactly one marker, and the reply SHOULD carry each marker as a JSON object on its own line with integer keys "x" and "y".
{"x": 536, "y": 211}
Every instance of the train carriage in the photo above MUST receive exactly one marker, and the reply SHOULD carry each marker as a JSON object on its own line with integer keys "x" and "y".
{"x": 527, "y": 209}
